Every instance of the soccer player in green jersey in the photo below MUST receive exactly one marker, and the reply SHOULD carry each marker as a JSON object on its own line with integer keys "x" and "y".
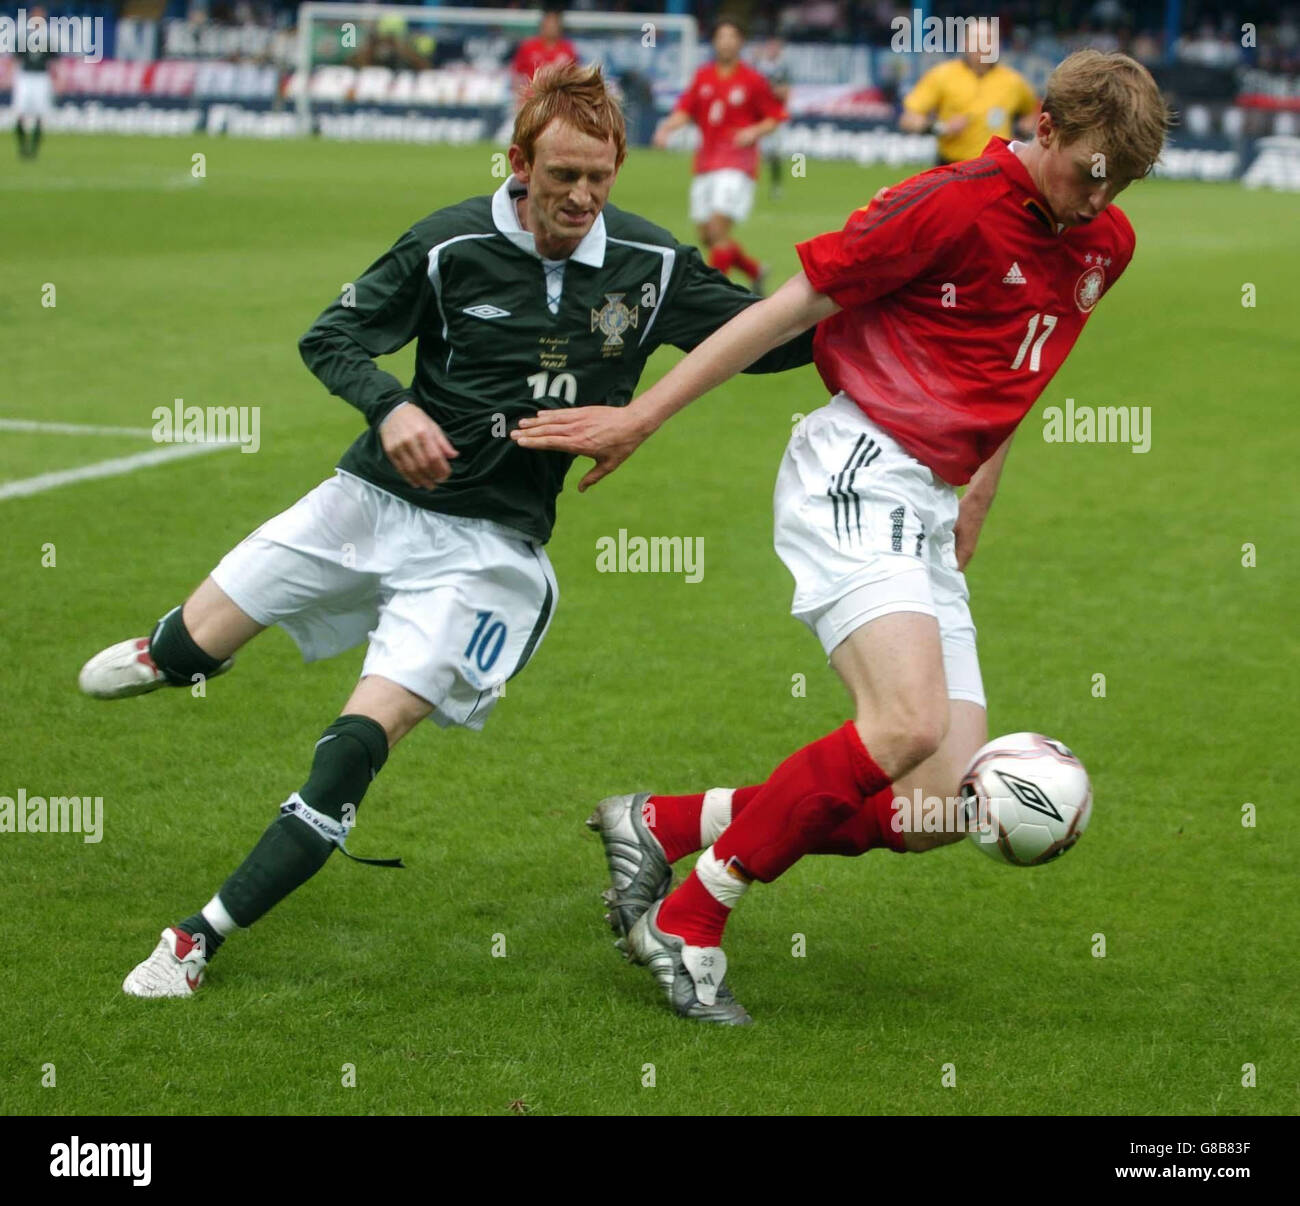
{"x": 33, "y": 89}
{"x": 428, "y": 540}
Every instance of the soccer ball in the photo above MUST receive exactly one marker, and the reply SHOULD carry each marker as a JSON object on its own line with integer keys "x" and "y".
{"x": 1027, "y": 799}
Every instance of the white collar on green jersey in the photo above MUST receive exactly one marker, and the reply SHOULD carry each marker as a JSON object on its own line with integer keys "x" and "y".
{"x": 591, "y": 251}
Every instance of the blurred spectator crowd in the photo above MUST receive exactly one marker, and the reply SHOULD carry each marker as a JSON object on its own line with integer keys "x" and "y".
{"x": 1210, "y": 33}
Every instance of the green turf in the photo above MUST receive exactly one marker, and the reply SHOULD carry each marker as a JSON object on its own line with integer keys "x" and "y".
{"x": 1094, "y": 561}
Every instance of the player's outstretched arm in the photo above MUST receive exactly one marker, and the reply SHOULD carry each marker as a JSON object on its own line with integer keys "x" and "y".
{"x": 609, "y": 435}
{"x": 674, "y": 121}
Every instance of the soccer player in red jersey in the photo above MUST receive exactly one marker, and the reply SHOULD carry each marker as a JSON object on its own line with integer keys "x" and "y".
{"x": 734, "y": 107}
{"x": 943, "y": 311}
{"x": 549, "y": 46}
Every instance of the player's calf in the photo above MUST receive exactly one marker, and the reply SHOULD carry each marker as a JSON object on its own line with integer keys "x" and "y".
{"x": 296, "y": 845}
{"x": 927, "y": 806}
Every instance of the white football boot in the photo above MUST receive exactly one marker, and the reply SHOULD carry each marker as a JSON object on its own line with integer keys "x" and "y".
{"x": 127, "y": 669}
{"x": 175, "y": 969}
{"x": 692, "y": 977}
{"x": 639, "y": 874}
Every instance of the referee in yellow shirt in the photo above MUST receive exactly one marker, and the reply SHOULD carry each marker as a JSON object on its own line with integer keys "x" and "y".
{"x": 965, "y": 102}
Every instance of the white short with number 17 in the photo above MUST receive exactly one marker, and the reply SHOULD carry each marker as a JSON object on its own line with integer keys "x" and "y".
{"x": 867, "y": 530}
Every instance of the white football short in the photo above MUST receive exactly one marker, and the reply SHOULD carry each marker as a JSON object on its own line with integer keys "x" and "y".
{"x": 451, "y": 607}
{"x": 867, "y": 530}
{"x": 33, "y": 94}
{"x": 728, "y": 192}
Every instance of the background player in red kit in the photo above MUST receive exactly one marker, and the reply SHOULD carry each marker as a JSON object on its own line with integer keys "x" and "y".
{"x": 944, "y": 311}
{"x": 734, "y": 106}
{"x": 549, "y": 46}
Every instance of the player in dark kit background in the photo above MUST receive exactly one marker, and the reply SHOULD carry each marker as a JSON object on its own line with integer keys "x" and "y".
{"x": 428, "y": 543}
{"x": 33, "y": 91}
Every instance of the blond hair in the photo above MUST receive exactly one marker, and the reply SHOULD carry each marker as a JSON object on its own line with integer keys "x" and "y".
{"x": 1111, "y": 100}
{"x": 577, "y": 95}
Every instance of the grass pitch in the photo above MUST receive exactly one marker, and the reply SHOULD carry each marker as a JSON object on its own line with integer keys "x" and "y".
{"x": 1095, "y": 561}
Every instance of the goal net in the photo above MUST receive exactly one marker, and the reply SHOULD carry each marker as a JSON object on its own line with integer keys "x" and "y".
{"x": 444, "y": 74}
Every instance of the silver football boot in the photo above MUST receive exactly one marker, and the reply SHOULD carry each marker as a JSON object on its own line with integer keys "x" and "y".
{"x": 692, "y": 977}
{"x": 639, "y": 874}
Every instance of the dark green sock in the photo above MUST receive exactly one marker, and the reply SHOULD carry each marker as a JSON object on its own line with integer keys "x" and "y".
{"x": 174, "y": 652}
{"x": 198, "y": 924}
{"x": 348, "y": 756}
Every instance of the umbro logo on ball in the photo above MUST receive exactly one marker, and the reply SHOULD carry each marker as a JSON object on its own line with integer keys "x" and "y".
{"x": 1029, "y": 794}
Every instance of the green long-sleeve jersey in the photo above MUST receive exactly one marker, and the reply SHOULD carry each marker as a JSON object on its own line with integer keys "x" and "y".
{"x": 503, "y": 333}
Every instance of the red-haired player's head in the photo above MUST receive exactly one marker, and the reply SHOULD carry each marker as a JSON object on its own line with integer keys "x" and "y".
{"x": 569, "y": 142}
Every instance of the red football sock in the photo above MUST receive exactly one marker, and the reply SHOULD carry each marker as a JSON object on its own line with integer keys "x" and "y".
{"x": 746, "y": 263}
{"x": 806, "y": 799}
{"x": 722, "y": 256}
{"x": 868, "y": 828}
{"x": 742, "y": 797}
{"x": 691, "y": 912}
{"x": 675, "y": 821}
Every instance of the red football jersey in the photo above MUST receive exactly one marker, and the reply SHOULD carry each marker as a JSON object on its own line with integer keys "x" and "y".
{"x": 535, "y": 52}
{"x": 722, "y": 104}
{"x": 960, "y": 301}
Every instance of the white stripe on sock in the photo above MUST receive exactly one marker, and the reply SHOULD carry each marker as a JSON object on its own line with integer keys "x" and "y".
{"x": 724, "y": 887}
{"x": 715, "y": 816}
{"x": 214, "y": 913}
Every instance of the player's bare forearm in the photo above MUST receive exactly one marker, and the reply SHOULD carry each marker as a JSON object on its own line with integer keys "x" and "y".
{"x": 674, "y": 121}
{"x": 790, "y": 311}
{"x": 609, "y": 435}
{"x": 984, "y": 485}
{"x": 751, "y": 134}
{"x": 975, "y": 503}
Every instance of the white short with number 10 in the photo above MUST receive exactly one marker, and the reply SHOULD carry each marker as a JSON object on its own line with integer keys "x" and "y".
{"x": 451, "y": 607}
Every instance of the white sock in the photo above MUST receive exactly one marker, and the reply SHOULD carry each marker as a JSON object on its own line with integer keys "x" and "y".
{"x": 214, "y": 913}
{"x": 715, "y": 816}
{"x": 724, "y": 887}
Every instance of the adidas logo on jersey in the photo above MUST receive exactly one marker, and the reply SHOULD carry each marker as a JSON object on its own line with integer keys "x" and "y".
{"x": 486, "y": 311}
{"x": 1014, "y": 276}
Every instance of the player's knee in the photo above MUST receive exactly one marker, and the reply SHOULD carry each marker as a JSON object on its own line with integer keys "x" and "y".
{"x": 920, "y": 741}
{"x": 910, "y": 735}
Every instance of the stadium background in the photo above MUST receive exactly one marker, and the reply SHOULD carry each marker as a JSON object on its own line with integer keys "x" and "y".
{"x": 230, "y": 68}
{"x": 1095, "y": 560}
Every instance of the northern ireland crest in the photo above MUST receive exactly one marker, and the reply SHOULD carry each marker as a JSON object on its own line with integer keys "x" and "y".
{"x": 614, "y": 320}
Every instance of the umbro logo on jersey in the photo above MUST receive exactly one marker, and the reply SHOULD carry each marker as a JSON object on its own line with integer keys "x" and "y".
{"x": 486, "y": 311}
{"x": 1014, "y": 276}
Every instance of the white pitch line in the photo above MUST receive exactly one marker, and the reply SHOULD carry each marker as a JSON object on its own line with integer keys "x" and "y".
{"x": 118, "y": 465}
{"x": 71, "y": 428}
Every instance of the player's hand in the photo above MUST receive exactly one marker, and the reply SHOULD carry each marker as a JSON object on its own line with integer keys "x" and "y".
{"x": 607, "y": 434}
{"x": 955, "y": 125}
{"x": 745, "y": 137}
{"x": 415, "y": 445}
{"x": 660, "y": 138}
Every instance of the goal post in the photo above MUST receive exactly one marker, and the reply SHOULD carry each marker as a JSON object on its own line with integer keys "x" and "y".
{"x": 441, "y": 59}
